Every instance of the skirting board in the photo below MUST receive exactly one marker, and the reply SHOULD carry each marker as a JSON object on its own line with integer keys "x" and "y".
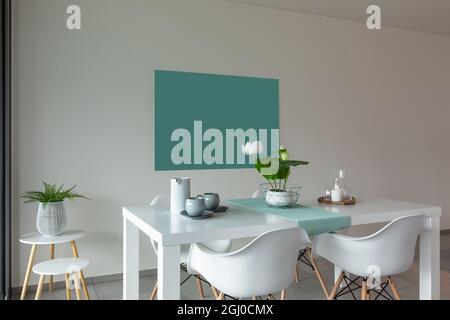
{"x": 89, "y": 281}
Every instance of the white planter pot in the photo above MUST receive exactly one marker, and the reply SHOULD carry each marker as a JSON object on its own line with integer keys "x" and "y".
{"x": 51, "y": 218}
{"x": 281, "y": 198}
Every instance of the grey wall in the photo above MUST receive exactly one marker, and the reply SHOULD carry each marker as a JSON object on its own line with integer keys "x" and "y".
{"x": 375, "y": 103}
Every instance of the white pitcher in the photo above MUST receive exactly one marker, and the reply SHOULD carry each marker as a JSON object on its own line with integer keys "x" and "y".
{"x": 180, "y": 190}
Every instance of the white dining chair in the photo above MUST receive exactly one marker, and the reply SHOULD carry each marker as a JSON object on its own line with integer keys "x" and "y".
{"x": 263, "y": 267}
{"x": 388, "y": 252}
{"x": 221, "y": 246}
{"x": 258, "y": 195}
{"x": 304, "y": 255}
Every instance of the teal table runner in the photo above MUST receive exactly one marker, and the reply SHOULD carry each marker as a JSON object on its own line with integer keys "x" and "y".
{"x": 313, "y": 220}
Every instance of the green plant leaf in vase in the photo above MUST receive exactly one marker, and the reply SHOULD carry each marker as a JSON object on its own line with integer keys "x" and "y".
{"x": 279, "y": 179}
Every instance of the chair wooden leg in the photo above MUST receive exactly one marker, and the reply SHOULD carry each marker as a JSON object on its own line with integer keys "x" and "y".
{"x": 254, "y": 298}
{"x": 394, "y": 288}
{"x": 40, "y": 287}
{"x": 154, "y": 292}
{"x": 198, "y": 282}
{"x": 318, "y": 274}
{"x": 68, "y": 292}
{"x": 271, "y": 297}
{"x": 296, "y": 273}
{"x": 332, "y": 295}
{"x": 215, "y": 292}
{"x": 364, "y": 290}
{"x": 52, "y": 256}
{"x": 283, "y": 294}
{"x": 28, "y": 272}
{"x": 83, "y": 282}
{"x": 221, "y": 296}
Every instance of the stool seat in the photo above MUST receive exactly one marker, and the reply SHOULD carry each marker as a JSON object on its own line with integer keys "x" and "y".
{"x": 60, "y": 266}
{"x": 39, "y": 239}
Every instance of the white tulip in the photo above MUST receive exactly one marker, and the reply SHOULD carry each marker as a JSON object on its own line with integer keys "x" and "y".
{"x": 252, "y": 148}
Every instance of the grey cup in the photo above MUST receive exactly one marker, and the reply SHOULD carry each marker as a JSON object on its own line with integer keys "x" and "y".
{"x": 195, "y": 206}
{"x": 212, "y": 200}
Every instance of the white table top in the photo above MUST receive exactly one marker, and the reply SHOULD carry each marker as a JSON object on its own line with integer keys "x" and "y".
{"x": 375, "y": 210}
{"x": 39, "y": 239}
{"x": 238, "y": 222}
{"x": 171, "y": 229}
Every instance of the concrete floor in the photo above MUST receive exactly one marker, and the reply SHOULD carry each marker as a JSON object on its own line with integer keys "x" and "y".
{"x": 307, "y": 289}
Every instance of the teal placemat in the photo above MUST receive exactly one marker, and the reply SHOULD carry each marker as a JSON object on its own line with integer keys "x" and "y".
{"x": 312, "y": 220}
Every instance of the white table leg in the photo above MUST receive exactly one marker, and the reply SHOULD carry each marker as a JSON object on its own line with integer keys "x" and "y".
{"x": 130, "y": 261}
{"x": 430, "y": 272}
{"x": 168, "y": 272}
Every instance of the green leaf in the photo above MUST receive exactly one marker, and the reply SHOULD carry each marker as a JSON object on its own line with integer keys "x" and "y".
{"x": 284, "y": 168}
{"x": 51, "y": 193}
{"x": 293, "y": 163}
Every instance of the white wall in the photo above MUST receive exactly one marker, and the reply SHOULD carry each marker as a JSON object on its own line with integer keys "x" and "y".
{"x": 375, "y": 103}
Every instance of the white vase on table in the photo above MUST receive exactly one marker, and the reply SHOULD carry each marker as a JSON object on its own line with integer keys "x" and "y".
{"x": 51, "y": 218}
{"x": 279, "y": 198}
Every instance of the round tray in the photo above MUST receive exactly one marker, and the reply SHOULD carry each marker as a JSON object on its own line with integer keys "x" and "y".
{"x": 347, "y": 202}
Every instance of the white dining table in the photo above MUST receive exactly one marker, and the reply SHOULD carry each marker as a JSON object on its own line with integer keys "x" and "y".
{"x": 171, "y": 231}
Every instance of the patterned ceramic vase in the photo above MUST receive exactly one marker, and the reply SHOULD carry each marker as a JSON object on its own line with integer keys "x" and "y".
{"x": 51, "y": 218}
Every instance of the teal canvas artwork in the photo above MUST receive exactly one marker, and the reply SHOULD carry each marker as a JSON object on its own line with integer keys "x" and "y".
{"x": 202, "y": 120}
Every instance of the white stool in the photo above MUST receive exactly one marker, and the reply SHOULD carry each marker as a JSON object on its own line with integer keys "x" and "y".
{"x": 69, "y": 267}
{"x": 36, "y": 239}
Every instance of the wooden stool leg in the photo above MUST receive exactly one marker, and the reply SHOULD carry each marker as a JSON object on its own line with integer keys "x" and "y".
{"x": 68, "y": 292}
{"x": 221, "y": 296}
{"x": 283, "y": 294}
{"x": 332, "y": 295}
{"x": 154, "y": 292}
{"x": 394, "y": 288}
{"x": 83, "y": 282}
{"x": 52, "y": 256}
{"x": 77, "y": 278}
{"x": 364, "y": 290}
{"x": 40, "y": 287}
{"x": 200, "y": 288}
{"x": 296, "y": 273}
{"x": 28, "y": 272}
{"x": 318, "y": 273}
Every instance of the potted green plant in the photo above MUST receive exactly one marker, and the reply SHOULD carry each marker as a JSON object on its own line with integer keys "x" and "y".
{"x": 276, "y": 170}
{"x": 51, "y": 217}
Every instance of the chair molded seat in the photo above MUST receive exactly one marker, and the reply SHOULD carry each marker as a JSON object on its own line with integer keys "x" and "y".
{"x": 262, "y": 267}
{"x": 387, "y": 252}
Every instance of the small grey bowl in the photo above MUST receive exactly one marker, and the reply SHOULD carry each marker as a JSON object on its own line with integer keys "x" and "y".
{"x": 212, "y": 200}
{"x": 195, "y": 206}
